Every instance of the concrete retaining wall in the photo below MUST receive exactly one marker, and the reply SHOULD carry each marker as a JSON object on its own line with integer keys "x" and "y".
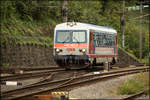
{"x": 125, "y": 59}
{"x": 35, "y": 55}
{"x": 26, "y": 55}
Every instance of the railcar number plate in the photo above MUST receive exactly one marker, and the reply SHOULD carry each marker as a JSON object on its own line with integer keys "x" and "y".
{"x": 70, "y": 49}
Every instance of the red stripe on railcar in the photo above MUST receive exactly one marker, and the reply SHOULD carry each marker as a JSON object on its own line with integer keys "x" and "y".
{"x": 102, "y": 56}
{"x": 70, "y": 45}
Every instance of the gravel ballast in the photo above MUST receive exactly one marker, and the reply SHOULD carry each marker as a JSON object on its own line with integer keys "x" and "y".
{"x": 101, "y": 90}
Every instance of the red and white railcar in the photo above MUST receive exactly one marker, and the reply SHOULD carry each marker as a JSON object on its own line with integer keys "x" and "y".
{"x": 81, "y": 44}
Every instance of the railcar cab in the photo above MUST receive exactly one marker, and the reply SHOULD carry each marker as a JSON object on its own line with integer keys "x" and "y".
{"x": 83, "y": 44}
{"x": 70, "y": 45}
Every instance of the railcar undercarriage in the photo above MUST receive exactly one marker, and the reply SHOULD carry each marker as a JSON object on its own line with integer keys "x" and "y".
{"x": 71, "y": 60}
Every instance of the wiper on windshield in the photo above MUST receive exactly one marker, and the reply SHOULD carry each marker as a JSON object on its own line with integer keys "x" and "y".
{"x": 65, "y": 40}
{"x": 76, "y": 39}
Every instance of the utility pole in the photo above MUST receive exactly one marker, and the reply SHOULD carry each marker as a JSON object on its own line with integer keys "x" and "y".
{"x": 141, "y": 12}
{"x": 141, "y": 3}
{"x": 123, "y": 24}
{"x": 64, "y": 10}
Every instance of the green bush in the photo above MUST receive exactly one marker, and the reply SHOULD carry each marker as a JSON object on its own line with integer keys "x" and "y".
{"x": 131, "y": 87}
{"x": 135, "y": 85}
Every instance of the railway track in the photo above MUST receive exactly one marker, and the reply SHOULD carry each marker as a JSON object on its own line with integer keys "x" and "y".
{"x": 24, "y": 69}
{"x": 67, "y": 83}
{"x": 143, "y": 64}
{"x": 30, "y": 75}
{"x": 134, "y": 96}
{"x": 12, "y": 70}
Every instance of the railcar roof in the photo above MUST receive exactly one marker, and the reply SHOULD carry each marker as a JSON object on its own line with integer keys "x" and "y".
{"x": 78, "y": 25}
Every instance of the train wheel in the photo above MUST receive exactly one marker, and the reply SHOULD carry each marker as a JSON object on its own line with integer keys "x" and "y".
{"x": 90, "y": 65}
{"x": 94, "y": 62}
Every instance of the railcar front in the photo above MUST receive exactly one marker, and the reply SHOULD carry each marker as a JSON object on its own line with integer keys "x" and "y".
{"x": 71, "y": 47}
{"x": 83, "y": 44}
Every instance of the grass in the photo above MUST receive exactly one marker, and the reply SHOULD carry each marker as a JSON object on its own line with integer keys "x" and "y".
{"x": 146, "y": 60}
{"x": 24, "y": 32}
{"x": 139, "y": 83}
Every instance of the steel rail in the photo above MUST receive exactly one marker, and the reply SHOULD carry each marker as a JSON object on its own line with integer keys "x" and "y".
{"x": 8, "y": 70}
{"x": 47, "y": 68}
{"x": 133, "y": 96}
{"x": 29, "y": 75}
{"x": 67, "y": 85}
{"x": 85, "y": 78}
{"x": 105, "y": 73}
{"x": 143, "y": 64}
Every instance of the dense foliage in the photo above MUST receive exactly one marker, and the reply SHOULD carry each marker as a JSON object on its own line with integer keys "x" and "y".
{"x": 28, "y": 21}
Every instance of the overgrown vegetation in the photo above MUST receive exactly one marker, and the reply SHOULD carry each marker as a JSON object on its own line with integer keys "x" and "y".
{"x": 135, "y": 85}
{"x": 5, "y": 65}
{"x": 33, "y": 22}
{"x": 23, "y": 23}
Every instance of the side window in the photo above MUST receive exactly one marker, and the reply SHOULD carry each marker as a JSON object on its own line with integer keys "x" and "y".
{"x": 103, "y": 39}
{"x": 110, "y": 40}
{"x": 98, "y": 39}
{"x": 113, "y": 40}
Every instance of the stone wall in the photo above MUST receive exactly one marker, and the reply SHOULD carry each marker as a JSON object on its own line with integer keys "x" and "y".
{"x": 26, "y": 55}
{"x": 36, "y": 55}
{"x": 124, "y": 59}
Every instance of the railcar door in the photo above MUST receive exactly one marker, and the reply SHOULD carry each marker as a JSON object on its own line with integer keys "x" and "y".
{"x": 91, "y": 43}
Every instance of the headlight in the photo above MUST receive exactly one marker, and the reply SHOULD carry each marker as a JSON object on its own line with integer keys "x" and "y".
{"x": 83, "y": 50}
{"x": 57, "y": 50}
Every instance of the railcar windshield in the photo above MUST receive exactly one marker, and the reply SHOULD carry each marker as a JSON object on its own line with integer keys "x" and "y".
{"x": 78, "y": 36}
{"x": 71, "y": 36}
{"x": 63, "y": 36}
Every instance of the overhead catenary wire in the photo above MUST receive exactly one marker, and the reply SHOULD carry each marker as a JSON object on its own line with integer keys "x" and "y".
{"x": 138, "y": 17}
